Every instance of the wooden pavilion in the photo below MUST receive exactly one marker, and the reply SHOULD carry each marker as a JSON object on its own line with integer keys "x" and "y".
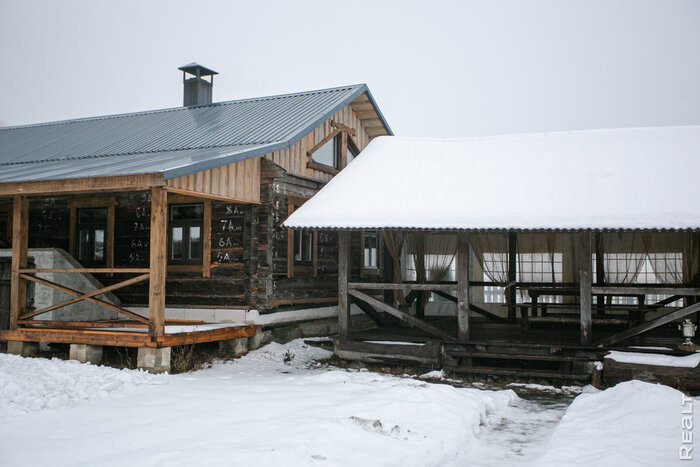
{"x": 580, "y": 251}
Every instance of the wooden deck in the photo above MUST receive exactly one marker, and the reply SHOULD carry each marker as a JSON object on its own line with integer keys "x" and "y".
{"x": 126, "y": 334}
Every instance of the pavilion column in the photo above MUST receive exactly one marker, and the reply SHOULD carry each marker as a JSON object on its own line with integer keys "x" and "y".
{"x": 463, "y": 286}
{"x": 158, "y": 262}
{"x": 343, "y": 273}
{"x": 18, "y": 286}
{"x": 584, "y": 259}
{"x": 512, "y": 275}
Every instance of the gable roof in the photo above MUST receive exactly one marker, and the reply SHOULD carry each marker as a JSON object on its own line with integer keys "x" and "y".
{"x": 637, "y": 178}
{"x": 174, "y": 142}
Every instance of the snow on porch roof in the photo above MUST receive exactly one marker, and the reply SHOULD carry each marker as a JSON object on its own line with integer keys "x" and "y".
{"x": 635, "y": 178}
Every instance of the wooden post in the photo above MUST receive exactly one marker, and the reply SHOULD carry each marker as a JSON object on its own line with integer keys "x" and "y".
{"x": 343, "y": 151}
{"x": 512, "y": 257}
{"x": 583, "y": 255}
{"x": 343, "y": 273}
{"x": 463, "y": 286}
{"x": 206, "y": 239}
{"x": 600, "y": 271}
{"x": 158, "y": 262}
{"x": 18, "y": 286}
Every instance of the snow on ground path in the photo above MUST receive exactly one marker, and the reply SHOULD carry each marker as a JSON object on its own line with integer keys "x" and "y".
{"x": 259, "y": 411}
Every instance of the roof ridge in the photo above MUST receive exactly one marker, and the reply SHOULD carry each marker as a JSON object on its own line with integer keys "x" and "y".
{"x": 181, "y": 108}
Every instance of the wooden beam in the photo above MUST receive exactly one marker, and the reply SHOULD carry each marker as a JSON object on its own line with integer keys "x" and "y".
{"x": 84, "y": 270}
{"x": 373, "y": 314}
{"x": 81, "y": 296}
{"x": 412, "y": 320}
{"x": 462, "y": 286}
{"x": 660, "y": 290}
{"x": 472, "y": 307}
{"x": 206, "y": 240}
{"x": 109, "y": 241}
{"x": 198, "y": 195}
{"x": 405, "y": 286}
{"x": 649, "y": 325}
{"x": 158, "y": 262}
{"x": 83, "y": 185}
{"x": 343, "y": 274}
{"x": 344, "y": 128}
{"x": 318, "y": 146}
{"x": 584, "y": 257}
{"x": 18, "y": 287}
{"x": 96, "y": 301}
{"x": 323, "y": 168}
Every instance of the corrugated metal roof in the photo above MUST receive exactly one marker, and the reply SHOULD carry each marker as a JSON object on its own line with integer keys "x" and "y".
{"x": 175, "y": 142}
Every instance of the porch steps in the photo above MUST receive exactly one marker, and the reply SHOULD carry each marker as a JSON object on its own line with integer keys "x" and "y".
{"x": 520, "y": 360}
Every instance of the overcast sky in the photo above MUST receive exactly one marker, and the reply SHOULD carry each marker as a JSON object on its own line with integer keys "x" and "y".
{"x": 436, "y": 68}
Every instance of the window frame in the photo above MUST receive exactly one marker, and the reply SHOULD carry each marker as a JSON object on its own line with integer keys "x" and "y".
{"x": 366, "y": 271}
{"x": 95, "y": 202}
{"x": 91, "y": 227}
{"x": 293, "y": 267}
{"x": 186, "y": 225}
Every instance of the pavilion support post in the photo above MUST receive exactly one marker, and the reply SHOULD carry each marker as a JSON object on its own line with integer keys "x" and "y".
{"x": 583, "y": 256}
{"x": 599, "y": 271}
{"x": 510, "y": 290}
{"x": 463, "y": 286}
{"x": 158, "y": 262}
{"x": 343, "y": 273}
{"x": 18, "y": 286}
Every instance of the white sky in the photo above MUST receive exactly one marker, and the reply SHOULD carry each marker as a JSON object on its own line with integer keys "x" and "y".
{"x": 439, "y": 68}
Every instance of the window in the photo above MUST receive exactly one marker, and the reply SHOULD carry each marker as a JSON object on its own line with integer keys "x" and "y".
{"x": 451, "y": 274}
{"x": 329, "y": 153}
{"x": 353, "y": 152}
{"x": 185, "y": 234}
{"x": 91, "y": 229}
{"x": 302, "y": 245}
{"x": 4, "y": 229}
{"x": 370, "y": 250}
{"x": 530, "y": 267}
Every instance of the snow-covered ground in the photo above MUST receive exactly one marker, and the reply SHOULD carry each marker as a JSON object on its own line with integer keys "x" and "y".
{"x": 260, "y": 410}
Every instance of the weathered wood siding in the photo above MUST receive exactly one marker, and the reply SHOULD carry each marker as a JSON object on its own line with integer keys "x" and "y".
{"x": 294, "y": 159}
{"x": 239, "y": 181}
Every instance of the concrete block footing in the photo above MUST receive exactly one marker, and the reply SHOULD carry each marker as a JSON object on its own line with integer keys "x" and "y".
{"x": 25, "y": 349}
{"x": 154, "y": 360}
{"x": 235, "y": 347}
{"x": 86, "y": 353}
{"x": 259, "y": 339}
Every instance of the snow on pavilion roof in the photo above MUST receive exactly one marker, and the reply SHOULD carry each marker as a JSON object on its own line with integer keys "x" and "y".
{"x": 631, "y": 178}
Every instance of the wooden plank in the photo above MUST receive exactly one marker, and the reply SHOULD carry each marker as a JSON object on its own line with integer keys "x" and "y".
{"x": 463, "y": 286}
{"x": 206, "y": 240}
{"x": 83, "y": 336}
{"x": 212, "y": 335}
{"x": 404, "y": 286}
{"x": 371, "y": 352}
{"x": 86, "y": 270}
{"x": 109, "y": 241}
{"x": 649, "y": 325}
{"x": 96, "y": 301}
{"x": 660, "y": 290}
{"x": 322, "y": 168}
{"x": 80, "y": 296}
{"x": 83, "y": 185}
{"x": 583, "y": 253}
{"x": 344, "y": 261}
{"x": 18, "y": 287}
{"x": 304, "y": 301}
{"x": 158, "y": 262}
{"x": 413, "y": 321}
{"x": 213, "y": 197}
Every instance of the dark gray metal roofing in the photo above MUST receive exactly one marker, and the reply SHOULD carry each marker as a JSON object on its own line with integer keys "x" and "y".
{"x": 174, "y": 142}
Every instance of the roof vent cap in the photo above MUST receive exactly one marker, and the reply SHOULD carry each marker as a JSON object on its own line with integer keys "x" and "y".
{"x": 197, "y": 90}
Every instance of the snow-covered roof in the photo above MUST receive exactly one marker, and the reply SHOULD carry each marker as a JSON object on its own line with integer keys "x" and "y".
{"x": 634, "y": 178}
